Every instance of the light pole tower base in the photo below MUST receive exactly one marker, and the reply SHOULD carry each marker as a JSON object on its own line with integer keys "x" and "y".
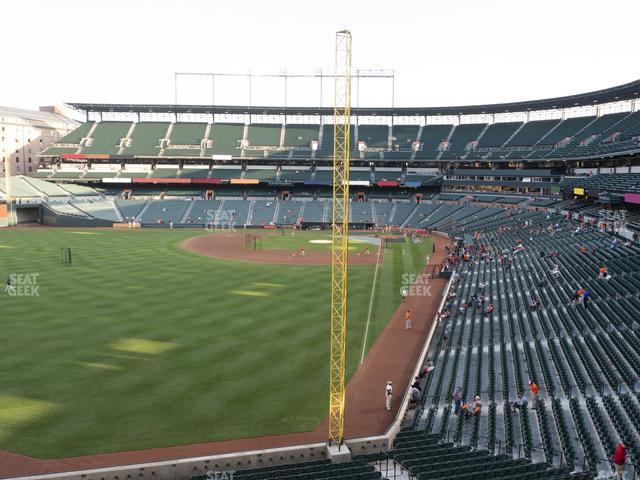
{"x": 338, "y": 453}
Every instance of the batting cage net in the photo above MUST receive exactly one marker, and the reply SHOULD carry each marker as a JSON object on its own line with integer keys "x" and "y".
{"x": 65, "y": 256}
{"x": 253, "y": 242}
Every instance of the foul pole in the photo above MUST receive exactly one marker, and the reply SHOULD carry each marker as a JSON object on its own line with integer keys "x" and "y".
{"x": 340, "y": 235}
{"x": 7, "y": 190}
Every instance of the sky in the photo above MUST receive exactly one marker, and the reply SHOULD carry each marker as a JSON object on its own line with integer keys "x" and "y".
{"x": 457, "y": 52}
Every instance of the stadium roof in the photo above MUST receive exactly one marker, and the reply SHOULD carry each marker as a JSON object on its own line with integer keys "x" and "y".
{"x": 32, "y": 115}
{"x": 628, "y": 91}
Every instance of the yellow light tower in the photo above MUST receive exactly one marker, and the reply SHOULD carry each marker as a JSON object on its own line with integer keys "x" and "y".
{"x": 340, "y": 235}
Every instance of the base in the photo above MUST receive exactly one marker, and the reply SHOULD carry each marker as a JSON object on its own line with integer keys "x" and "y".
{"x": 338, "y": 453}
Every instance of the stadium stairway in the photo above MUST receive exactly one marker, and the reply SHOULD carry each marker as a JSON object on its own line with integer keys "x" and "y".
{"x": 143, "y": 211}
{"x": 168, "y": 135}
{"x": 401, "y": 214}
{"x": 276, "y": 213}
{"x": 187, "y": 212}
{"x": 118, "y": 211}
{"x": 513, "y": 135}
{"x": 127, "y": 137}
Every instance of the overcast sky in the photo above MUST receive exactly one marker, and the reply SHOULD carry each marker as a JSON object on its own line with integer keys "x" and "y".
{"x": 444, "y": 53}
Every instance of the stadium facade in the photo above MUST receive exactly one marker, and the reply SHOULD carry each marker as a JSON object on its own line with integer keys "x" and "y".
{"x": 25, "y": 134}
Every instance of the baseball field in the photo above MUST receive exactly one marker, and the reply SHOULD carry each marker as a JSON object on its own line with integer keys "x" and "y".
{"x": 143, "y": 343}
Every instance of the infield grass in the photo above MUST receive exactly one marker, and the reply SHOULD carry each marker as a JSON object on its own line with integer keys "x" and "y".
{"x": 142, "y": 344}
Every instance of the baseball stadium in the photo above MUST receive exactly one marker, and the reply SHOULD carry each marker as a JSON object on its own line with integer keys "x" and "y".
{"x": 207, "y": 291}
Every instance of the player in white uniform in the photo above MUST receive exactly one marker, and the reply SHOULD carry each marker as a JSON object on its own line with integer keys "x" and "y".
{"x": 389, "y": 394}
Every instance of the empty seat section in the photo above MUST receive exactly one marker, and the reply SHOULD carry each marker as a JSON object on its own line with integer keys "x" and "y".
{"x": 326, "y": 148}
{"x": 234, "y": 213}
{"x": 300, "y": 135}
{"x": 186, "y": 139}
{"x": 289, "y": 212}
{"x": 431, "y": 138}
{"x": 262, "y": 212}
{"x": 106, "y": 137}
{"x": 75, "y": 136}
{"x": 165, "y": 211}
{"x": 313, "y": 212}
{"x": 226, "y": 139}
{"x": 264, "y": 135}
{"x": 374, "y": 136}
{"x": 102, "y": 209}
{"x": 498, "y": 133}
{"x": 203, "y": 212}
{"x": 532, "y": 132}
{"x": 145, "y": 139}
{"x": 261, "y": 173}
{"x": 461, "y": 137}
{"x": 226, "y": 173}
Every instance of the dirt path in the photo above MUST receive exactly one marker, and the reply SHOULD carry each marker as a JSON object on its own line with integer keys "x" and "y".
{"x": 231, "y": 246}
{"x": 392, "y": 357}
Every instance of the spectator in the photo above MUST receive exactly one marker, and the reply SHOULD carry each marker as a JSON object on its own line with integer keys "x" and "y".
{"x": 414, "y": 396}
{"x": 457, "y": 400}
{"x": 586, "y": 298}
{"x": 477, "y": 406}
{"x": 619, "y": 459}
{"x": 522, "y": 404}
{"x": 447, "y": 331}
{"x": 416, "y": 383}
{"x": 535, "y": 391}
{"x": 426, "y": 370}
{"x": 575, "y": 299}
{"x": 534, "y": 304}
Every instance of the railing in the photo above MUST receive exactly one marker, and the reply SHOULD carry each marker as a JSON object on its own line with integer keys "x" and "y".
{"x": 396, "y": 468}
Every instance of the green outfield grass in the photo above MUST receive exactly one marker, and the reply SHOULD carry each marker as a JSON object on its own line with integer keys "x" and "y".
{"x": 142, "y": 344}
